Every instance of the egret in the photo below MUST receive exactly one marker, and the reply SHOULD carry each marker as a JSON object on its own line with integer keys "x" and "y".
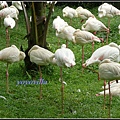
{"x": 83, "y": 13}
{"x": 107, "y": 10}
{"x": 84, "y": 37}
{"x": 41, "y": 56}
{"x": 9, "y": 22}
{"x": 109, "y": 70}
{"x": 64, "y": 58}
{"x": 69, "y": 12}
{"x": 110, "y": 51}
{"x": 66, "y": 33}
{"x": 11, "y": 55}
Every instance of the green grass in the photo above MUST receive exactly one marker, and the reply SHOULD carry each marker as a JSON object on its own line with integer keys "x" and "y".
{"x": 23, "y": 101}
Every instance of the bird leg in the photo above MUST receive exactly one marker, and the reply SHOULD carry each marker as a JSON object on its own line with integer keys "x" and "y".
{"x": 40, "y": 82}
{"x": 92, "y": 46}
{"x": 7, "y": 37}
{"x": 66, "y": 43}
{"x": 7, "y": 75}
{"x": 62, "y": 90}
{"x": 104, "y": 93}
{"x": 109, "y": 29}
{"x": 82, "y": 58}
{"x": 110, "y": 98}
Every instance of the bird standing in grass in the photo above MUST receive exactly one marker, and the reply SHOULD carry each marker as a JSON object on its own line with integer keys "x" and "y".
{"x": 70, "y": 13}
{"x": 9, "y": 22}
{"x": 84, "y": 37}
{"x": 64, "y": 58}
{"x": 109, "y": 70}
{"x": 83, "y": 13}
{"x": 41, "y": 56}
{"x": 11, "y": 55}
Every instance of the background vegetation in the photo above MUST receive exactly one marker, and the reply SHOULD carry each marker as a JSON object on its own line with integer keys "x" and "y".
{"x": 23, "y": 100}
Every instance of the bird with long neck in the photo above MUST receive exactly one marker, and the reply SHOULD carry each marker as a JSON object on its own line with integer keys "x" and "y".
{"x": 41, "y": 56}
{"x": 10, "y": 55}
{"x": 64, "y": 58}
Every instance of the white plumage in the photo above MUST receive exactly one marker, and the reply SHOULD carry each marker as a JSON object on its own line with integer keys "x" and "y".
{"x": 109, "y": 70}
{"x": 64, "y": 58}
{"x": 59, "y": 23}
{"x": 69, "y": 12}
{"x": 84, "y": 37}
{"x": 41, "y": 56}
{"x": 11, "y": 55}
{"x": 83, "y": 13}
{"x": 111, "y": 51}
{"x": 94, "y": 25}
{"x": 107, "y": 10}
{"x": 17, "y": 4}
{"x": 12, "y": 11}
{"x": 66, "y": 33}
{"x": 3, "y": 4}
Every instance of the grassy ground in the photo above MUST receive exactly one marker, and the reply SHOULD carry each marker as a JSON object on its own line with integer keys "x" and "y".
{"x": 23, "y": 101}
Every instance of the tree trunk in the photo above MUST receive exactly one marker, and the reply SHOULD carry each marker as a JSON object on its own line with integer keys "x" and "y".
{"x": 38, "y": 31}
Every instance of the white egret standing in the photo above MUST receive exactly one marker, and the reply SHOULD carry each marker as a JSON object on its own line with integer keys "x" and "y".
{"x": 41, "y": 56}
{"x": 11, "y": 55}
{"x": 109, "y": 70}
{"x": 64, "y": 58}
{"x": 9, "y": 22}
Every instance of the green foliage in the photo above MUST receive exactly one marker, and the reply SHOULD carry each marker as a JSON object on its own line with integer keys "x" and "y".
{"x": 23, "y": 100}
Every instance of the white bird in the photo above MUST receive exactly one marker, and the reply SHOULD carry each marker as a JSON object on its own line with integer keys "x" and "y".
{"x": 41, "y": 56}
{"x": 64, "y": 58}
{"x": 107, "y": 10}
{"x": 83, "y": 13}
{"x": 58, "y": 24}
{"x": 119, "y": 28}
{"x": 110, "y": 51}
{"x": 3, "y": 4}
{"x": 12, "y": 11}
{"x": 11, "y": 55}
{"x": 66, "y": 33}
{"x": 69, "y": 12}
{"x": 17, "y": 4}
{"x": 84, "y": 37}
{"x": 109, "y": 70}
{"x": 9, "y": 22}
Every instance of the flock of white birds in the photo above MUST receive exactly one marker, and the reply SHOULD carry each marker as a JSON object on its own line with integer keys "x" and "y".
{"x": 107, "y": 55}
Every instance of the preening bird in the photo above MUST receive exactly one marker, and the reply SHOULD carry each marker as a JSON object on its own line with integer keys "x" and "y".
{"x": 119, "y": 28}
{"x": 64, "y": 58}
{"x": 109, "y": 70}
{"x": 69, "y": 12}
{"x": 41, "y": 56}
{"x": 11, "y": 55}
{"x": 84, "y": 37}
{"x": 66, "y": 33}
{"x": 107, "y": 10}
{"x": 3, "y": 4}
{"x": 110, "y": 51}
{"x": 12, "y": 11}
{"x": 83, "y": 13}
{"x": 9, "y": 22}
